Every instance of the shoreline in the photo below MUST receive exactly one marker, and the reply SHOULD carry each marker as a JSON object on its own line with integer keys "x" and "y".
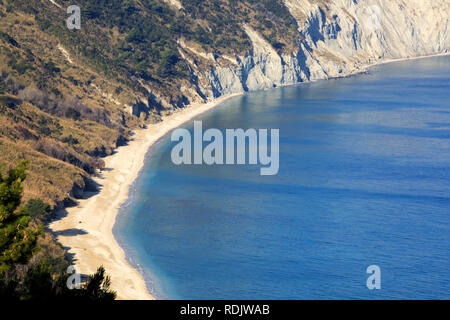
{"x": 86, "y": 231}
{"x": 381, "y": 62}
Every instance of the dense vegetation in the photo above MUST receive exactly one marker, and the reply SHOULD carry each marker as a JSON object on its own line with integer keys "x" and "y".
{"x": 124, "y": 39}
{"x": 32, "y": 266}
{"x": 74, "y": 96}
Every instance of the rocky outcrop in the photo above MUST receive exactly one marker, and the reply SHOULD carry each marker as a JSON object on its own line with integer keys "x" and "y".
{"x": 339, "y": 37}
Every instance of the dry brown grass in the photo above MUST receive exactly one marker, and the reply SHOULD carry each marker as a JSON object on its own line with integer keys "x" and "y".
{"x": 48, "y": 179}
{"x": 26, "y": 132}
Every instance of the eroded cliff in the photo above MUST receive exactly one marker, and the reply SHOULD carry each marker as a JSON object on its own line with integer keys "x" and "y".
{"x": 337, "y": 38}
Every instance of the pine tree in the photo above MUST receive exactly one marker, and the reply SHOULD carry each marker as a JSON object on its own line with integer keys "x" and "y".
{"x": 17, "y": 237}
{"x": 18, "y": 243}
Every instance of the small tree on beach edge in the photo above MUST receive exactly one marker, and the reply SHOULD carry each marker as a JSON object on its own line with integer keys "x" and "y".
{"x": 17, "y": 238}
{"x": 27, "y": 271}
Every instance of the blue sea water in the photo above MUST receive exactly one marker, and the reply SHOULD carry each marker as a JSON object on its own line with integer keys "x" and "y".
{"x": 364, "y": 180}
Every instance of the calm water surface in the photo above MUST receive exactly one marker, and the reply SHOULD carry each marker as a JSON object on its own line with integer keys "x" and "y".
{"x": 364, "y": 179}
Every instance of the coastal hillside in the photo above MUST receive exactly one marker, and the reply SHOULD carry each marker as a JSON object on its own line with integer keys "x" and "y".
{"x": 70, "y": 97}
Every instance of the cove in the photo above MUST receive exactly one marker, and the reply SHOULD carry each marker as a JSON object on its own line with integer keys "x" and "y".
{"x": 363, "y": 180}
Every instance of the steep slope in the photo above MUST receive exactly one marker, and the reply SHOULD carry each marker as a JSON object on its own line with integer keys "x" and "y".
{"x": 69, "y": 97}
{"x": 338, "y": 38}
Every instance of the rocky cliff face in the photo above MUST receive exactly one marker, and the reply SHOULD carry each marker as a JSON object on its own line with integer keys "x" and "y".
{"x": 339, "y": 37}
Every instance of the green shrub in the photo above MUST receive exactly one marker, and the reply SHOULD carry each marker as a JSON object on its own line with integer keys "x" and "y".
{"x": 38, "y": 209}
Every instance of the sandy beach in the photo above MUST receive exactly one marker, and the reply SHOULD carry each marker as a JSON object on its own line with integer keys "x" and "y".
{"x": 385, "y": 61}
{"x": 86, "y": 230}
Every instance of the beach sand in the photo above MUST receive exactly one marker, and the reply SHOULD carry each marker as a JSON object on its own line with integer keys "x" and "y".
{"x": 86, "y": 230}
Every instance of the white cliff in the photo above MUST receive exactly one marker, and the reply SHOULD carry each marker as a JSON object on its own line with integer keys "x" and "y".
{"x": 340, "y": 37}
